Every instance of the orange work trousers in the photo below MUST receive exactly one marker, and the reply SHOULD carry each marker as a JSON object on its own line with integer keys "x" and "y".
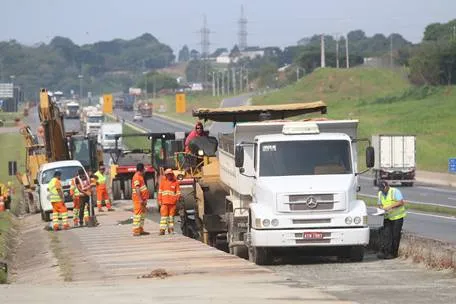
{"x": 139, "y": 211}
{"x": 167, "y": 213}
{"x": 59, "y": 211}
{"x": 102, "y": 195}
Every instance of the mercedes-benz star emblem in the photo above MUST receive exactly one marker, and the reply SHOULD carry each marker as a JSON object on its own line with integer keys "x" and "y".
{"x": 311, "y": 202}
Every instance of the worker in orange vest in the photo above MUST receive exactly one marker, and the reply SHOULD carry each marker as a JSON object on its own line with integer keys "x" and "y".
{"x": 168, "y": 196}
{"x": 140, "y": 195}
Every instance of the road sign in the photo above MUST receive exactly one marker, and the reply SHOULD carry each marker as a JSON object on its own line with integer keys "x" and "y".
{"x": 180, "y": 103}
{"x": 107, "y": 104}
{"x": 452, "y": 165}
{"x": 6, "y": 90}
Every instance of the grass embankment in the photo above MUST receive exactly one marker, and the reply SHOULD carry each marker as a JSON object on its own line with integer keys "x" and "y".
{"x": 134, "y": 142}
{"x": 12, "y": 149}
{"x": 192, "y": 101}
{"x": 385, "y": 103}
{"x": 7, "y": 118}
{"x": 416, "y": 207}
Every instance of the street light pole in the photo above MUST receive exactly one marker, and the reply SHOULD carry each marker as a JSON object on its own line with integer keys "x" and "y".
{"x": 80, "y": 86}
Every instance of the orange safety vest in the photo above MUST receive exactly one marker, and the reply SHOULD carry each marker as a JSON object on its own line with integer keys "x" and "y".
{"x": 169, "y": 192}
{"x": 85, "y": 185}
{"x": 138, "y": 181}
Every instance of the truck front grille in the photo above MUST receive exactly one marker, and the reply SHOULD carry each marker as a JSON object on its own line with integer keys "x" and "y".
{"x": 311, "y": 202}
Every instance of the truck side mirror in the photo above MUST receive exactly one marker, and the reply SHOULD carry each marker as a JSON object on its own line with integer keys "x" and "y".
{"x": 370, "y": 157}
{"x": 239, "y": 156}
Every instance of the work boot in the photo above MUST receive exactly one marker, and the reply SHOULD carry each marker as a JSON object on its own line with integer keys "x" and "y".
{"x": 100, "y": 210}
{"x": 136, "y": 233}
{"x": 171, "y": 230}
{"x": 111, "y": 209}
{"x": 162, "y": 232}
{"x": 144, "y": 233}
{"x": 66, "y": 227}
{"x": 56, "y": 227}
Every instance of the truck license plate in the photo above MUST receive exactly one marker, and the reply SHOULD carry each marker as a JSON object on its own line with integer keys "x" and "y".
{"x": 312, "y": 235}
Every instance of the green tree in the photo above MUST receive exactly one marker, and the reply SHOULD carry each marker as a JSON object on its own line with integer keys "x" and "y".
{"x": 184, "y": 54}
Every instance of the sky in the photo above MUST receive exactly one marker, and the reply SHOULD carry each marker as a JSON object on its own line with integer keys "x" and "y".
{"x": 177, "y": 22}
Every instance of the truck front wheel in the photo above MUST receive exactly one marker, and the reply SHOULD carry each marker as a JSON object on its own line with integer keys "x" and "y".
{"x": 260, "y": 255}
{"x": 116, "y": 190}
{"x": 356, "y": 254}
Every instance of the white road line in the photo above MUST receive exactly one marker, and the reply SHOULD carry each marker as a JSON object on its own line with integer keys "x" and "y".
{"x": 452, "y": 198}
{"x": 436, "y": 189}
{"x": 433, "y": 215}
{"x": 416, "y": 202}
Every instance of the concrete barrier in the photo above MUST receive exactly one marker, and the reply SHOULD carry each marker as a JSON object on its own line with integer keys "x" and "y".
{"x": 432, "y": 253}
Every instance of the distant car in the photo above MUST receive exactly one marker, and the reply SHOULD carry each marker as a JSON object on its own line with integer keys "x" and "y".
{"x": 137, "y": 117}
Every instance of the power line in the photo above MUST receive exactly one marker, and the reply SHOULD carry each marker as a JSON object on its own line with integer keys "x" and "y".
{"x": 242, "y": 34}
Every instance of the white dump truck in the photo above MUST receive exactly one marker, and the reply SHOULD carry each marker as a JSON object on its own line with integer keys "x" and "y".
{"x": 91, "y": 120}
{"x": 106, "y": 137}
{"x": 395, "y": 159}
{"x": 72, "y": 110}
{"x": 288, "y": 184}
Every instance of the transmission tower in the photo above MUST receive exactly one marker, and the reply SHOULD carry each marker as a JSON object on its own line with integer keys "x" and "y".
{"x": 242, "y": 35}
{"x": 205, "y": 43}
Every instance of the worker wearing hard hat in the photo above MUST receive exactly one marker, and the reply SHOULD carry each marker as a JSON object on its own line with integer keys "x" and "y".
{"x": 390, "y": 199}
{"x": 102, "y": 190}
{"x": 168, "y": 196}
{"x": 140, "y": 194}
{"x": 59, "y": 210}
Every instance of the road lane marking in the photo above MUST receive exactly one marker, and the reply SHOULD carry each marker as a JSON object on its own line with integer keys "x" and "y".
{"x": 452, "y": 198}
{"x": 415, "y": 202}
{"x": 433, "y": 215}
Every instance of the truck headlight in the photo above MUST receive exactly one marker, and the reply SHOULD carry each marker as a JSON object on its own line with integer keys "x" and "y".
{"x": 357, "y": 220}
{"x": 275, "y": 222}
{"x": 266, "y": 223}
{"x": 348, "y": 220}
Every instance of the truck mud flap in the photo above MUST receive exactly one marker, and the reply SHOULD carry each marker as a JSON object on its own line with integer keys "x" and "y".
{"x": 214, "y": 223}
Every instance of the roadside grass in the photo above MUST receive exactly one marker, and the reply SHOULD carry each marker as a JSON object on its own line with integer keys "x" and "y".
{"x": 5, "y": 225}
{"x": 416, "y": 207}
{"x": 64, "y": 261}
{"x": 12, "y": 149}
{"x": 192, "y": 101}
{"x": 384, "y": 103}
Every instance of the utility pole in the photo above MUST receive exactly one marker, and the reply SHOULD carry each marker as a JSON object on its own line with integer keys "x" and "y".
{"x": 247, "y": 79}
{"x": 337, "y": 51}
{"x": 297, "y": 74}
{"x": 240, "y": 80}
{"x": 223, "y": 83}
{"x": 391, "y": 50}
{"x": 80, "y": 86}
{"x": 155, "y": 86}
{"x": 218, "y": 84}
{"x": 323, "y": 61}
{"x": 213, "y": 83}
{"x": 228, "y": 84}
{"x": 347, "y": 57}
{"x": 234, "y": 81}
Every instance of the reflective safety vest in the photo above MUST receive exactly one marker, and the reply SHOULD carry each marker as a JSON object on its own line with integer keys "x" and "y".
{"x": 74, "y": 191}
{"x": 388, "y": 200}
{"x": 101, "y": 178}
{"x": 169, "y": 192}
{"x": 54, "y": 195}
{"x": 138, "y": 181}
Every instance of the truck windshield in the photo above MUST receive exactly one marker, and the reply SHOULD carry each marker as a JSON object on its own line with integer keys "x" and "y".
{"x": 95, "y": 119}
{"x": 110, "y": 137}
{"x": 73, "y": 108}
{"x": 67, "y": 173}
{"x": 305, "y": 158}
{"x": 81, "y": 151}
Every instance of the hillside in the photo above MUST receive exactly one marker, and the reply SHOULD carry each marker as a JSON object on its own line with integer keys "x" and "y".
{"x": 106, "y": 65}
{"x": 384, "y": 102}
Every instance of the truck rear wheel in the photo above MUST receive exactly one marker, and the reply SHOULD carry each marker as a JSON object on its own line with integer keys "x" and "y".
{"x": 150, "y": 182}
{"x": 127, "y": 189}
{"x": 260, "y": 255}
{"x": 116, "y": 190}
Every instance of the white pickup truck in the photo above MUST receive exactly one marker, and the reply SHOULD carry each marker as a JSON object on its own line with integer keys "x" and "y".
{"x": 69, "y": 169}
